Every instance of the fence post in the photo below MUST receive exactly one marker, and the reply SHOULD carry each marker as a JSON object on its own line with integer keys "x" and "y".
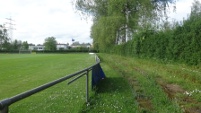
{"x": 4, "y": 110}
{"x": 87, "y": 87}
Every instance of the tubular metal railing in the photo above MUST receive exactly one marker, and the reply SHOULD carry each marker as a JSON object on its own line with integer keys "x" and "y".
{"x": 4, "y": 104}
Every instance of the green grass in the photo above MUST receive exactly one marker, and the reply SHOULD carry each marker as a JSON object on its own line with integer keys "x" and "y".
{"x": 151, "y": 81}
{"x": 113, "y": 95}
{"x": 19, "y": 73}
{"x": 132, "y": 85}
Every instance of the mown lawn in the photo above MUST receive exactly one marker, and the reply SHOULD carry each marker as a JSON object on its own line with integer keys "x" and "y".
{"x": 21, "y": 72}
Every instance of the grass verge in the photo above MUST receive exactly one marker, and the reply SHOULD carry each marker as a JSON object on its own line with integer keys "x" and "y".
{"x": 159, "y": 87}
{"x": 113, "y": 95}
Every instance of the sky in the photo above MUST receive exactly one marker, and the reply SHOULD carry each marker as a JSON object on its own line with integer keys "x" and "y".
{"x": 183, "y": 9}
{"x": 35, "y": 20}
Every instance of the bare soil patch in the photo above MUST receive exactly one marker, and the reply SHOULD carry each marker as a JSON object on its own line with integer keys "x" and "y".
{"x": 193, "y": 110}
{"x": 143, "y": 101}
{"x": 172, "y": 89}
{"x": 145, "y": 104}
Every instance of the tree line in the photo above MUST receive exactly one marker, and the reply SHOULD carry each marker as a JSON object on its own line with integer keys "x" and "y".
{"x": 180, "y": 42}
{"x": 6, "y": 44}
{"x": 176, "y": 42}
{"x": 116, "y": 21}
{"x": 142, "y": 29}
{"x": 50, "y": 43}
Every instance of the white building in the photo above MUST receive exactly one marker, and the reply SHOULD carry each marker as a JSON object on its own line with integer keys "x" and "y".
{"x": 42, "y": 47}
{"x": 38, "y": 47}
{"x": 83, "y": 45}
{"x": 62, "y": 46}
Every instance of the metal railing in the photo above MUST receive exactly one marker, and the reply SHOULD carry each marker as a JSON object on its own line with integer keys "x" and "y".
{"x": 4, "y": 104}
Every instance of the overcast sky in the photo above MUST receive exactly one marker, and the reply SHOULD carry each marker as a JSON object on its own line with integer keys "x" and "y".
{"x": 36, "y": 20}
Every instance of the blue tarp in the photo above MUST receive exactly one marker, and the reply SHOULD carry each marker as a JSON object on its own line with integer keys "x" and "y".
{"x": 97, "y": 75}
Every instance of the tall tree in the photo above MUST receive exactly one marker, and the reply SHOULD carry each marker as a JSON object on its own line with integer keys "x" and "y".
{"x": 50, "y": 43}
{"x": 3, "y": 36}
{"x": 115, "y": 21}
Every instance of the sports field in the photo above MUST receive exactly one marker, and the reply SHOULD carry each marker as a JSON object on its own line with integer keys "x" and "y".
{"x": 22, "y": 72}
{"x": 132, "y": 85}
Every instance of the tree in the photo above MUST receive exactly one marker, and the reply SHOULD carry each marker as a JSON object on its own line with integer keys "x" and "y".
{"x": 3, "y": 36}
{"x": 16, "y": 44}
{"x": 25, "y": 45}
{"x": 7, "y": 45}
{"x": 115, "y": 21}
{"x": 50, "y": 43}
{"x": 196, "y": 8}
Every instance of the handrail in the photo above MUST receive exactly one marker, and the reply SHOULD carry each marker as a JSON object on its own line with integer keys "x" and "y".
{"x": 4, "y": 104}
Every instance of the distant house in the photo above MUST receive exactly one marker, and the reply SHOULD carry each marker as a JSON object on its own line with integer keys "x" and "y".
{"x": 31, "y": 46}
{"x": 62, "y": 46}
{"x": 83, "y": 45}
{"x": 86, "y": 45}
{"x": 75, "y": 45}
{"x": 38, "y": 47}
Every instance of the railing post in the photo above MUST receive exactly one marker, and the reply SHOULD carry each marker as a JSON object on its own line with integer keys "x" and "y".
{"x": 4, "y": 110}
{"x": 87, "y": 87}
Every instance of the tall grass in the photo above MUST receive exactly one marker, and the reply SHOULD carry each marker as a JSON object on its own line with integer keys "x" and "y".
{"x": 143, "y": 76}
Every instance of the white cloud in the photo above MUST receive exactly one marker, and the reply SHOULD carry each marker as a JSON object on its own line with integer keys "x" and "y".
{"x": 37, "y": 20}
{"x": 183, "y": 9}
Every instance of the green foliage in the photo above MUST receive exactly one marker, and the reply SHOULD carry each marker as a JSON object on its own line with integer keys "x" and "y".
{"x": 25, "y": 45}
{"x": 3, "y": 37}
{"x": 50, "y": 43}
{"x": 115, "y": 19}
{"x": 5, "y": 43}
{"x": 179, "y": 43}
{"x": 16, "y": 44}
{"x": 104, "y": 31}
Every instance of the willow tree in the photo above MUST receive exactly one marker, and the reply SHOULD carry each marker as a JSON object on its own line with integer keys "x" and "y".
{"x": 115, "y": 21}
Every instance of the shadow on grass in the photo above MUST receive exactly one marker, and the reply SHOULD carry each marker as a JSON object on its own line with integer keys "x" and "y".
{"x": 111, "y": 85}
{"x": 108, "y": 89}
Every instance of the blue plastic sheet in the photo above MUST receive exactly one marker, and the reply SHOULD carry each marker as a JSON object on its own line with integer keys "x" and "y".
{"x": 97, "y": 75}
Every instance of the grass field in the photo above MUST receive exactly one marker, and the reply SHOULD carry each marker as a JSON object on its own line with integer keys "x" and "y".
{"x": 21, "y": 72}
{"x": 132, "y": 85}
